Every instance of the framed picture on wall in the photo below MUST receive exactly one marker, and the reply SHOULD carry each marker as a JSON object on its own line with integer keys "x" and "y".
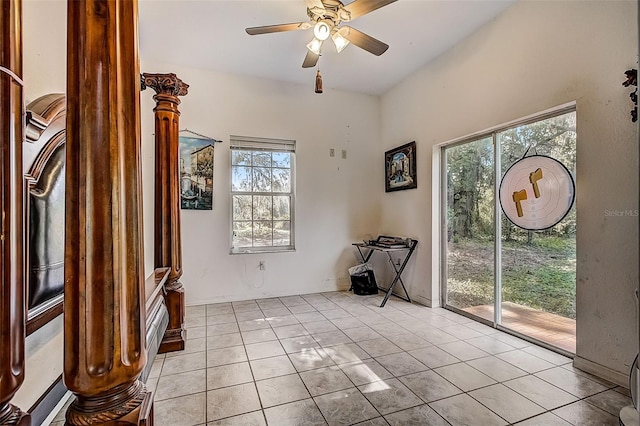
{"x": 400, "y": 168}
{"x": 196, "y": 173}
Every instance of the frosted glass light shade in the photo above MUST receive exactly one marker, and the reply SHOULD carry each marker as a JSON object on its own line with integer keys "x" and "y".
{"x": 322, "y": 31}
{"x": 315, "y": 45}
{"x": 339, "y": 41}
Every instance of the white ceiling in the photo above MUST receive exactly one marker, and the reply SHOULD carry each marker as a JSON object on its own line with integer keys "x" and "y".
{"x": 209, "y": 34}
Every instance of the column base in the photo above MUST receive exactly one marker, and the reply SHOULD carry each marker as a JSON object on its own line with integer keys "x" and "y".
{"x": 131, "y": 406}
{"x": 175, "y": 337}
{"x": 173, "y": 340}
{"x": 13, "y": 416}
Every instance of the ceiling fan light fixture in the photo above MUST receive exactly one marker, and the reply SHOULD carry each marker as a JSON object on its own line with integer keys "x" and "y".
{"x": 339, "y": 41}
{"x": 315, "y": 45}
{"x": 322, "y": 30}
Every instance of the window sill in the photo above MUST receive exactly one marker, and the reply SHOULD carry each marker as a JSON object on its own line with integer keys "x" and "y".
{"x": 255, "y": 250}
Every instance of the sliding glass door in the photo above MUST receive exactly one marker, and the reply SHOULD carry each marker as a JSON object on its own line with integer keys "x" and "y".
{"x": 469, "y": 199}
{"x": 519, "y": 279}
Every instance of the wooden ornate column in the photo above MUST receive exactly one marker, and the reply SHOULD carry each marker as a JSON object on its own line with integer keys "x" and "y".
{"x": 167, "y": 243}
{"x": 12, "y": 311}
{"x": 104, "y": 316}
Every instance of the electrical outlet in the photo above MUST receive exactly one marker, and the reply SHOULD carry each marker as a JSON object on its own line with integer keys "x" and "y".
{"x": 262, "y": 265}
{"x": 332, "y": 152}
{"x": 344, "y": 154}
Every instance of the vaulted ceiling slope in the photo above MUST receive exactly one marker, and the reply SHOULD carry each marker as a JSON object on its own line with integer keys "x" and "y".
{"x": 210, "y": 34}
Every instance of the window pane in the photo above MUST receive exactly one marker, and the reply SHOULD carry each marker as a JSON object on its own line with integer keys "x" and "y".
{"x": 261, "y": 179}
{"x": 240, "y": 158}
{"x": 262, "y": 235}
{"x": 262, "y": 207}
{"x": 242, "y": 234}
{"x": 281, "y": 180}
{"x": 262, "y": 159}
{"x": 240, "y": 178}
{"x": 281, "y": 208}
{"x": 554, "y": 137}
{"x": 242, "y": 207}
{"x": 281, "y": 233}
{"x": 469, "y": 219}
{"x": 281, "y": 159}
{"x": 539, "y": 267}
{"x": 256, "y": 213}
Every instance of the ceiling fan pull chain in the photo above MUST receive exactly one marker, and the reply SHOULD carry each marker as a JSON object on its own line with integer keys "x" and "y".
{"x": 318, "y": 82}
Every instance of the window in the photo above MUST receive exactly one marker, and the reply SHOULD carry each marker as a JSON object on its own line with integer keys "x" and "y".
{"x": 262, "y": 194}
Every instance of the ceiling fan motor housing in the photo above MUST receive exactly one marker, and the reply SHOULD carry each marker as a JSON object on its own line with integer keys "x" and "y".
{"x": 333, "y": 11}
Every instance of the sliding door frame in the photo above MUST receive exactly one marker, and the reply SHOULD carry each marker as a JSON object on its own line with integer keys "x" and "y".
{"x": 497, "y": 216}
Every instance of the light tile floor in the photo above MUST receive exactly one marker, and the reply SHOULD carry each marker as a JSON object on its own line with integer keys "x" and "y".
{"x": 339, "y": 359}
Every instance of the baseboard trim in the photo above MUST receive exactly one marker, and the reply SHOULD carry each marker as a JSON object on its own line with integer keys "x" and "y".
{"x": 424, "y": 301}
{"x": 48, "y": 401}
{"x": 601, "y": 371}
{"x": 340, "y": 284}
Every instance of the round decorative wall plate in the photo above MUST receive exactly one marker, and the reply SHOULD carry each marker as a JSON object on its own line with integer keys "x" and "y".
{"x": 536, "y": 192}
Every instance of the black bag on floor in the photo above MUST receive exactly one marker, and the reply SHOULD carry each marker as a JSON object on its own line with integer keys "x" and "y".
{"x": 364, "y": 284}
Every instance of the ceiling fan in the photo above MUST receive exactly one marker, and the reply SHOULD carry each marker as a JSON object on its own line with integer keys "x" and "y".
{"x": 326, "y": 16}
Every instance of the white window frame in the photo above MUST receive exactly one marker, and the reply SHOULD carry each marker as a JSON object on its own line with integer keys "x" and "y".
{"x": 270, "y": 145}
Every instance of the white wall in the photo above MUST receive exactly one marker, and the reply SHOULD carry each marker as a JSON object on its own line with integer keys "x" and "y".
{"x": 336, "y": 199}
{"x": 535, "y": 56}
{"x": 45, "y": 47}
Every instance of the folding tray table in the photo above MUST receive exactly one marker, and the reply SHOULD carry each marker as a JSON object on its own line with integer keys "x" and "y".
{"x": 372, "y": 247}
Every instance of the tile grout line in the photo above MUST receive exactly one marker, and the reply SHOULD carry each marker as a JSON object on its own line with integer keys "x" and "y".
{"x": 244, "y": 346}
{"x": 403, "y": 351}
{"x": 298, "y": 373}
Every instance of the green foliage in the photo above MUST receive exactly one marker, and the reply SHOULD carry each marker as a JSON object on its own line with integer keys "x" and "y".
{"x": 540, "y": 276}
{"x": 554, "y": 137}
{"x": 470, "y": 175}
{"x": 545, "y": 287}
{"x": 469, "y": 184}
{"x": 559, "y": 245}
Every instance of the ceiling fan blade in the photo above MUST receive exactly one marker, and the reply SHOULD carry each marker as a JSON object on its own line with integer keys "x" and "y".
{"x": 278, "y": 28}
{"x": 363, "y": 40}
{"x": 310, "y": 60}
{"x": 362, "y": 7}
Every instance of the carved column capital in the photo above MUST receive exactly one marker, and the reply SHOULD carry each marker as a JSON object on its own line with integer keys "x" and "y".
{"x": 164, "y": 84}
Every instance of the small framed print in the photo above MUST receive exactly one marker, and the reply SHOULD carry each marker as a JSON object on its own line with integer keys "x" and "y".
{"x": 400, "y": 168}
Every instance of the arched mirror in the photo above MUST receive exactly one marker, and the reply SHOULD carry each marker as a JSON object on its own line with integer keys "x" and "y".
{"x": 44, "y": 201}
